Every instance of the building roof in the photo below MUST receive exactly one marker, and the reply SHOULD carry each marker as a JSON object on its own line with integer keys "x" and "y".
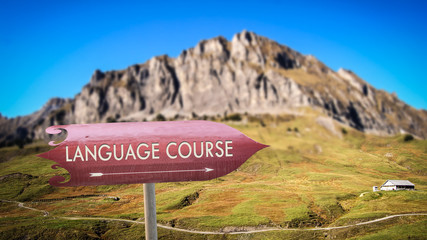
{"x": 400, "y": 182}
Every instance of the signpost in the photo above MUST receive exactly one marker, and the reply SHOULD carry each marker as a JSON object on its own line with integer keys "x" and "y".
{"x": 148, "y": 152}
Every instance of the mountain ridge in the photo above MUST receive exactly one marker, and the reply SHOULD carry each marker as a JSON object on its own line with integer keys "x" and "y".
{"x": 249, "y": 74}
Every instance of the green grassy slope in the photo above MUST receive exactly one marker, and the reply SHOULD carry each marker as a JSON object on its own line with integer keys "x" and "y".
{"x": 310, "y": 176}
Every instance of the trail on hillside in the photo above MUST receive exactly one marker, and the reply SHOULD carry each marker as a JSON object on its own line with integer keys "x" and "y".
{"x": 46, "y": 213}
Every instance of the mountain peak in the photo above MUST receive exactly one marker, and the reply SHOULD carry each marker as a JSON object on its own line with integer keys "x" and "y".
{"x": 247, "y": 38}
{"x": 97, "y": 76}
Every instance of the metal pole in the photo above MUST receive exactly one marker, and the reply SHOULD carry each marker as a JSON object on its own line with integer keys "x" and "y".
{"x": 150, "y": 211}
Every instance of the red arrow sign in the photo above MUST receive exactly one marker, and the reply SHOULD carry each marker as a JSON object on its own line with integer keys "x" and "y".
{"x": 148, "y": 152}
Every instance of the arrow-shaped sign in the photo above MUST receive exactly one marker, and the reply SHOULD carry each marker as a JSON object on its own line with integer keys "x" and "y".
{"x": 145, "y": 152}
{"x": 172, "y": 171}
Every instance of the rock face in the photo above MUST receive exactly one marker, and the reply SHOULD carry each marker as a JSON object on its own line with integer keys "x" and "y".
{"x": 249, "y": 74}
{"x": 21, "y": 130}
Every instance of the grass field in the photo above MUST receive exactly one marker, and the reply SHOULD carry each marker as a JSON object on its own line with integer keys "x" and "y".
{"x": 312, "y": 175}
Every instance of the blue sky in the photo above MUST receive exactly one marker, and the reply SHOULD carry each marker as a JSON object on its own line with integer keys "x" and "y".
{"x": 51, "y": 48}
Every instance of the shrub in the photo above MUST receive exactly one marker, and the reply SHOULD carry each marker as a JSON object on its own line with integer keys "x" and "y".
{"x": 111, "y": 119}
{"x": 235, "y": 117}
{"x": 160, "y": 117}
{"x": 408, "y": 137}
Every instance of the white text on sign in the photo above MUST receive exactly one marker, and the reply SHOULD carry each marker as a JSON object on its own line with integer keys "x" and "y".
{"x": 144, "y": 151}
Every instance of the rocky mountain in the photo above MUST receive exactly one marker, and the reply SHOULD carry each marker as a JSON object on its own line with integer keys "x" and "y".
{"x": 249, "y": 74}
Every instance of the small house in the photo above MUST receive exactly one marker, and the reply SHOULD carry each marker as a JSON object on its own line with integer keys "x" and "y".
{"x": 391, "y": 185}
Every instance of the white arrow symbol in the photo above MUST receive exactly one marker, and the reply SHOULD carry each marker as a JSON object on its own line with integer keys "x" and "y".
{"x": 125, "y": 173}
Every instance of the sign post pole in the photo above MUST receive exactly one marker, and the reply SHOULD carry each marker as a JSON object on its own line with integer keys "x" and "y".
{"x": 150, "y": 211}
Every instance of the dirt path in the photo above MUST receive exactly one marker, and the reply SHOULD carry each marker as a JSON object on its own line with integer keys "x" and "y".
{"x": 246, "y": 231}
{"x": 21, "y": 205}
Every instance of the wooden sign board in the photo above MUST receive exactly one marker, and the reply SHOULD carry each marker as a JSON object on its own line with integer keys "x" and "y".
{"x": 148, "y": 152}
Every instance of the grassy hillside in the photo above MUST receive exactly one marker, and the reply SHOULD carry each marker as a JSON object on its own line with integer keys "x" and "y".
{"x": 316, "y": 173}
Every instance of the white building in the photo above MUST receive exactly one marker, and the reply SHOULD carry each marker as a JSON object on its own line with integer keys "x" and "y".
{"x": 390, "y": 185}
